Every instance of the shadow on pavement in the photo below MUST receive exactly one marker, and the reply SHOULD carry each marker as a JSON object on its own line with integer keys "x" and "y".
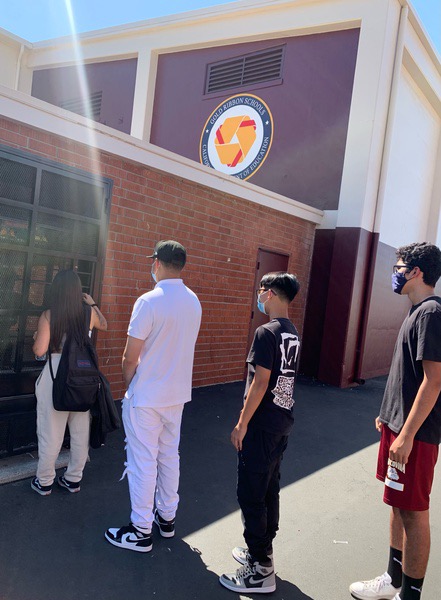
{"x": 330, "y": 424}
{"x": 53, "y": 547}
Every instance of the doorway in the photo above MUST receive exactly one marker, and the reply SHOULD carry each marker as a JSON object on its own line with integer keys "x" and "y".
{"x": 267, "y": 261}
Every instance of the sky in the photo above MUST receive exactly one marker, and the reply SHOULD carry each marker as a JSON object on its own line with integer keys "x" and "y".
{"x": 36, "y": 20}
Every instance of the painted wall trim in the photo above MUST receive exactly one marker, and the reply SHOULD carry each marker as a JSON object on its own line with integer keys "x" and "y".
{"x": 36, "y": 113}
{"x": 10, "y": 38}
{"x": 329, "y": 219}
{"x": 378, "y": 212}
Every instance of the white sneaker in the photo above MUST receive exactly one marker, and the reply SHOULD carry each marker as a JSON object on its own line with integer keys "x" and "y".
{"x": 380, "y": 588}
{"x": 129, "y": 538}
{"x": 252, "y": 578}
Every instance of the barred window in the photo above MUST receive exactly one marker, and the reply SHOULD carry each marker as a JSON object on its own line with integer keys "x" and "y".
{"x": 51, "y": 218}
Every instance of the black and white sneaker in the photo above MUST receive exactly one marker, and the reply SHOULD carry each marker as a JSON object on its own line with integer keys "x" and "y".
{"x": 166, "y": 528}
{"x": 71, "y": 486}
{"x": 43, "y": 490}
{"x": 242, "y": 555}
{"x": 252, "y": 578}
{"x": 130, "y": 538}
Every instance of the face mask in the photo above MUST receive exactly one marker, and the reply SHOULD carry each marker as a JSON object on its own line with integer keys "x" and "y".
{"x": 260, "y": 304}
{"x": 398, "y": 282}
{"x": 153, "y": 274}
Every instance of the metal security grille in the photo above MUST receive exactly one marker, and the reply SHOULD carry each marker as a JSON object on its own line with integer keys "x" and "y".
{"x": 87, "y": 108}
{"x": 51, "y": 218}
{"x": 17, "y": 181}
{"x": 249, "y": 69}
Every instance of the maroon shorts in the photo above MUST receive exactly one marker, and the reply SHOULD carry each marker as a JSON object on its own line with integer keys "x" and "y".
{"x": 406, "y": 486}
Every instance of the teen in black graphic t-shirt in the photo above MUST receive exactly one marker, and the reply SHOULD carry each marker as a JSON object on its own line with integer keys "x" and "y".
{"x": 275, "y": 347}
{"x": 410, "y": 426}
{"x": 261, "y": 434}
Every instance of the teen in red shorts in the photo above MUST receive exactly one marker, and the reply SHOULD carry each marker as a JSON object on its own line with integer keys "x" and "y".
{"x": 410, "y": 426}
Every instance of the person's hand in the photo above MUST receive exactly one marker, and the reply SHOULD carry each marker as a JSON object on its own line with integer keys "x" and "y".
{"x": 88, "y": 299}
{"x": 400, "y": 449}
{"x": 378, "y": 424}
{"x": 237, "y": 435}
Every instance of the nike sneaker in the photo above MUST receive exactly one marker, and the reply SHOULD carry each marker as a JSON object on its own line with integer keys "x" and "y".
{"x": 252, "y": 578}
{"x": 166, "y": 528}
{"x": 130, "y": 538}
{"x": 380, "y": 588}
{"x": 242, "y": 555}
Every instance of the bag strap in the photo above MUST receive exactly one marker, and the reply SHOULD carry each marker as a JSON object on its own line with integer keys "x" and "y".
{"x": 50, "y": 365}
{"x": 87, "y": 317}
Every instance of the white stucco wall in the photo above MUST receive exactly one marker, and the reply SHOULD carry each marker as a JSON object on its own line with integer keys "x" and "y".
{"x": 412, "y": 167}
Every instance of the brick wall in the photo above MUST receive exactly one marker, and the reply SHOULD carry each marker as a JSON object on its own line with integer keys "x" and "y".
{"x": 222, "y": 235}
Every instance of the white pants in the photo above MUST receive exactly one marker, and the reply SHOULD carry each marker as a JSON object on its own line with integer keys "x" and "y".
{"x": 51, "y": 426}
{"x": 152, "y": 467}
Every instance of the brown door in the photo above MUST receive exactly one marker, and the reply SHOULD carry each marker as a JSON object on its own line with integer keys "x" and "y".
{"x": 267, "y": 261}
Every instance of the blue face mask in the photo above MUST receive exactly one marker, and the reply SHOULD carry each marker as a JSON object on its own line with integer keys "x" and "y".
{"x": 398, "y": 282}
{"x": 261, "y": 305}
{"x": 153, "y": 274}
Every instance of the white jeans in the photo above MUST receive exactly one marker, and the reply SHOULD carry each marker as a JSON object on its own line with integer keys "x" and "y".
{"x": 152, "y": 467}
{"x": 51, "y": 426}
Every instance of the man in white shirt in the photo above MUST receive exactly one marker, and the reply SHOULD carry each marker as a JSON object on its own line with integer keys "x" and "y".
{"x": 157, "y": 369}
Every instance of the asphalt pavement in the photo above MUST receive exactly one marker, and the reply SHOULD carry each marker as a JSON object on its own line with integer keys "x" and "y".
{"x": 333, "y": 529}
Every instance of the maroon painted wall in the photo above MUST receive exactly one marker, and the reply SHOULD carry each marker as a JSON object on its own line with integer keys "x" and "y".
{"x": 316, "y": 302}
{"x": 345, "y": 306}
{"x": 116, "y": 80}
{"x": 310, "y": 109}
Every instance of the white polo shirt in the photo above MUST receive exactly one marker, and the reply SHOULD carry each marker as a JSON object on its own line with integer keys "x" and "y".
{"x": 168, "y": 320}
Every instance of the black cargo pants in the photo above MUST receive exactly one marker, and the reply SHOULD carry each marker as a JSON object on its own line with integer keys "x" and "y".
{"x": 258, "y": 487}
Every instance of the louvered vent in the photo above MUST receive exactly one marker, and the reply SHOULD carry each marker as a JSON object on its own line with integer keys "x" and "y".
{"x": 257, "y": 67}
{"x": 81, "y": 106}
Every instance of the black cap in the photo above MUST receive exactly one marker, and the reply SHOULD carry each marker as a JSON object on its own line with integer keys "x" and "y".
{"x": 170, "y": 252}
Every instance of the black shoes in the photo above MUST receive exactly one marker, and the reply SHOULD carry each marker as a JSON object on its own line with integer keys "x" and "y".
{"x": 166, "y": 528}
{"x": 68, "y": 485}
{"x": 43, "y": 490}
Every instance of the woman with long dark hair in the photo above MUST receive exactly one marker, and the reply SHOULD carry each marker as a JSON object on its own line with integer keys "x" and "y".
{"x": 71, "y": 313}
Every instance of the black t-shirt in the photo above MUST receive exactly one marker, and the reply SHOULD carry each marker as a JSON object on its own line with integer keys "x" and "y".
{"x": 419, "y": 339}
{"x": 276, "y": 347}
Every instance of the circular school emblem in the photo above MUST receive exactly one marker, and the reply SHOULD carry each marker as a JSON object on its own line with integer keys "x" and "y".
{"x": 237, "y": 136}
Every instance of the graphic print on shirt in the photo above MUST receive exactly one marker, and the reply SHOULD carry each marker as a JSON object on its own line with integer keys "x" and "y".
{"x": 283, "y": 392}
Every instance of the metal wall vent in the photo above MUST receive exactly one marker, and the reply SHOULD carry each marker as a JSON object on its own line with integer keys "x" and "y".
{"x": 257, "y": 67}
{"x": 90, "y": 107}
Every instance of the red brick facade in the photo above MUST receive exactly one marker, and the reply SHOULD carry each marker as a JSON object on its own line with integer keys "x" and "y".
{"x": 222, "y": 235}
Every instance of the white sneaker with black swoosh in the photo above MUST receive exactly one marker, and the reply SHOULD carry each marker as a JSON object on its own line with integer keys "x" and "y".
{"x": 252, "y": 578}
{"x": 130, "y": 538}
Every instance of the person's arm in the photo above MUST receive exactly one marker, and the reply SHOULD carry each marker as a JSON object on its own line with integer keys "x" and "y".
{"x": 131, "y": 358}
{"x": 42, "y": 335}
{"x": 254, "y": 397}
{"x": 425, "y": 400}
{"x": 97, "y": 319}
